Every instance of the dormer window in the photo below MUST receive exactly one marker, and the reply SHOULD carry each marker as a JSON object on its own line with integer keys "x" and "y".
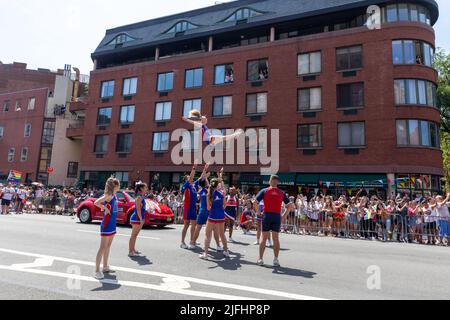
{"x": 121, "y": 39}
{"x": 243, "y": 14}
{"x": 181, "y": 26}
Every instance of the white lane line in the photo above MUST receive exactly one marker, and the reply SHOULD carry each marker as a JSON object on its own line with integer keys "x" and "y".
{"x": 268, "y": 292}
{"x": 120, "y": 235}
{"x": 165, "y": 287}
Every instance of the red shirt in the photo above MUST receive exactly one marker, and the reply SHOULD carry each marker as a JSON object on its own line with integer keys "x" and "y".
{"x": 273, "y": 199}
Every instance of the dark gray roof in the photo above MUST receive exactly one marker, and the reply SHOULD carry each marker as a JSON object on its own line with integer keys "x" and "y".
{"x": 209, "y": 19}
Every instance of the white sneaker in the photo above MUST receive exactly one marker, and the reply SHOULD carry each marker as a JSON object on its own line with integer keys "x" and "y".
{"x": 191, "y": 247}
{"x": 256, "y": 243}
{"x": 204, "y": 256}
{"x": 226, "y": 254}
{"x": 183, "y": 246}
{"x": 99, "y": 276}
{"x": 231, "y": 240}
{"x": 219, "y": 249}
{"x": 276, "y": 263}
{"x": 269, "y": 244}
{"x": 260, "y": 262}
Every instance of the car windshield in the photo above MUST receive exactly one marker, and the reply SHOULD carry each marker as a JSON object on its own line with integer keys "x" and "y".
{"x": 130, "y": 195}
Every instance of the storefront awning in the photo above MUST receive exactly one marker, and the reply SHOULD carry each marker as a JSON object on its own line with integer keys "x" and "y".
{"x": 286, "y": 179}
{"x": 342, "y": 180}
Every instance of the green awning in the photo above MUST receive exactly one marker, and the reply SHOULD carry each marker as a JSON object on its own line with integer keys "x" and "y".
{"x": 286, "y": 179}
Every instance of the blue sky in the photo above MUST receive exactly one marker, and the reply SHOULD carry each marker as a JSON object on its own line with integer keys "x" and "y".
{"x": 51, "y": 33}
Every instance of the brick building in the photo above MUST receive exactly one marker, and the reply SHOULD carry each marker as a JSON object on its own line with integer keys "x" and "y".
{"x": 33, "y": 123}
{"x": 356, "y": 106}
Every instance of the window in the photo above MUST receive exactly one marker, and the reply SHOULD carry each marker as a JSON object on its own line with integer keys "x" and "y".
{"x": 11, "y": 153}
{"x": 412, "y": 52}
{"x": 24, "y": 154}
{"x": 258, "y": 70}
{"x": 222, "y": 106}
{"x": 181, "y": 26}
{"x": 130, "y": 86}
{"x": 31, "y": 103}
{"x": 127, "y": 114}
{"x": 72, "y": 170}
{"x": 407, "y": 12}
{"x": 2, "y": 129}
{"x": 18, "y": 106}
{"x": 256, "y": 139}
{"x": 194, "y": 78}
{"x": 242, "y": 14}
{"x": 224, "y": 74}
{"x": 124, "y": 143}
{"x": 257, "y": 103}
{"x": 309, "y": 63}
{"x": 107, "y": 89}
{"x": 351, "y": 134}
{"x": 191, "y": 140}
{"x": 48, "y": 132}
{"x": 310, "y": 99}
{"x": 403, "y": 14}
{"x": 46, "y": 156}
{"x": 222, "y": 146}
{"x": 101, "y": 144}
{"x": 160, "y": 141}
{"x": 104, "y": 116}
{"x": 309, "y": 136}
{"x": 415, "y": 92}
{"x": 6, "y": 106}
{"x": 417, "y": 133}
{"x": 27, "y": 130}
{"x": 189, "y": 105}
{"x": 165, "y": 81}
{"x": 349, "y": 58}
{"x": 121, "y": 39}
{"x": 350, "y": 96}
{"x": 163, "y": 111}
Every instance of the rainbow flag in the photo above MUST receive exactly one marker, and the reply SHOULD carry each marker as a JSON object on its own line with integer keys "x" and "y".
{"x": 15, "y": 176}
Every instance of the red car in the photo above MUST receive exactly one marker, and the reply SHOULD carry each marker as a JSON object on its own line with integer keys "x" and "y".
{"x": 88, "y": 212}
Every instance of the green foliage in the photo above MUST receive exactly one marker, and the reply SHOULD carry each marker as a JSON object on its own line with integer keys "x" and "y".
{"x": 442, "y": 65}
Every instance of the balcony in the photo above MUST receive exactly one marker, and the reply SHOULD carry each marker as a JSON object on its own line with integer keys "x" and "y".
{"x": 75, "y": 130}
{"x": 77, "y": 106}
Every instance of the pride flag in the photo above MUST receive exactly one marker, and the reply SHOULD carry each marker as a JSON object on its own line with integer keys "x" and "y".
{"x": 15, "y": 176}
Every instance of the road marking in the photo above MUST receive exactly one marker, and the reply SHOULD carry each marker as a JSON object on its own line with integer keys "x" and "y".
{"x": 38, "y": 263}
{"x": 166, "y": 287}
{"x": 119, "y": 235}
{"x": 268, "y": 292}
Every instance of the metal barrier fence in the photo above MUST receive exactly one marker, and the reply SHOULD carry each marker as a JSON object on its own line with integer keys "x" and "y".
{"x": 394, "y": 227}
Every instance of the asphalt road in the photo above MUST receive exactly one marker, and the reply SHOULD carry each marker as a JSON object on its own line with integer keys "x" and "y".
{"x": 52, "y": 257}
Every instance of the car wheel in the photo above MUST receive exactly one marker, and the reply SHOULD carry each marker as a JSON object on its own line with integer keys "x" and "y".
{"x": 85, "y": 215}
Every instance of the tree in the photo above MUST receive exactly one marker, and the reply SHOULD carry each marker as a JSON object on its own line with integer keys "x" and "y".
{"x": 442, "y": 65}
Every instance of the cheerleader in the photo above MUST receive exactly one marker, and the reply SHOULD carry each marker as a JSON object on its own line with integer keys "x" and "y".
{"x": 137, "y": 219}
{"x": 202, "y": 186}
{"x": 216, "y": 221}
{"x": 189, "y": 210}
{"x": 246, "y": 220}
{"x": 107, "y": 204}
{"x": 231, "y": 212}
{"x": 199, "y": 121}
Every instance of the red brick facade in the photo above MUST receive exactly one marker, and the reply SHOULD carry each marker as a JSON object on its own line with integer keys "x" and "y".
{"x": 381, "y": 155}
{"x": 14, "y": 123}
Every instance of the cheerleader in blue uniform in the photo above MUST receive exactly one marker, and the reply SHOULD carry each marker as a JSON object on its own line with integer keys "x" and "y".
{"x": 108, "y": 204}
{"x": 202, "y": 185}
{"x": 199, "y": 121}
{"x": 216, "y": 220}
{"x": 137, "y": 219}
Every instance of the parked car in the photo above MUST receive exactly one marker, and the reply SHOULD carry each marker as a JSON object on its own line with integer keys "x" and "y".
{"x": 87, "y": 212}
